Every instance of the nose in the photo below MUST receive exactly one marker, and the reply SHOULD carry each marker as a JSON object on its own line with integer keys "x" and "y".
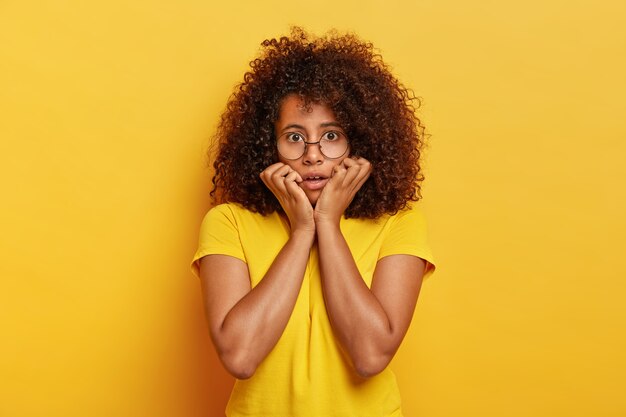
{"x": 312, "y": 154}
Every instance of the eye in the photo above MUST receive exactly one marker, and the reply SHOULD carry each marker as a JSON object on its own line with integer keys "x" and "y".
{"x": 294, "y": 137}
{"x": 331, "y": 136}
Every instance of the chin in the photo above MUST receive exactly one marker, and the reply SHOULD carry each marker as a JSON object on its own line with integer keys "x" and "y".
{"x": 313, "y": 199}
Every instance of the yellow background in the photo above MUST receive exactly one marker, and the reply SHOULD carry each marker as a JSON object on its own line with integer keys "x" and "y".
{"x": 106, "y": 109}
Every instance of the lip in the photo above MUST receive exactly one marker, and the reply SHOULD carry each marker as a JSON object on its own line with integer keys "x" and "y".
{"x": 312, "y": 184}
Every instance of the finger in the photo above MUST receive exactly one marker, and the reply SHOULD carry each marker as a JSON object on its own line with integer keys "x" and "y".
{"x": 278, "y": 179}
{"x": 363, "y": 165}
{"x": 338, "y": 174}
{"x": 294, "y": 176}
{"x": 358, "y": 172}
{"x": 360, "y": 160}
{"x": 364, "y": 174}
{"x": 294, "y": 190}
{"x": 366, "y": 166}
{"x": 266, "y": 174}
{"x": 280, "y": 173}
{"x": 351, "y": 175}
{"x": 291, "y": 177}
{"x": 270, "y": 169}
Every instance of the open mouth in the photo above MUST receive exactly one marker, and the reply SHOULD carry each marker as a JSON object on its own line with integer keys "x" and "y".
{"x": 315, "y": 178}
{"x": 314, "y": 182}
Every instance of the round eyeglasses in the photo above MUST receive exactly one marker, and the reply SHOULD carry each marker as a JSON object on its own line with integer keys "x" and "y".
{"x": 292, "y": 145}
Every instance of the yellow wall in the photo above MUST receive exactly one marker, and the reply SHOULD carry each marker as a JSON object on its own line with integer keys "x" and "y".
{"x": 105, "y": 111}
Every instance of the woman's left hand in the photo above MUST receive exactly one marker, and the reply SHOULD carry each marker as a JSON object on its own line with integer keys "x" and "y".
{"x": 348, "y": 177}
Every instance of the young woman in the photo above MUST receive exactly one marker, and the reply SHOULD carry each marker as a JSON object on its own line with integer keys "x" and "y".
{"x": 313, "y": 259}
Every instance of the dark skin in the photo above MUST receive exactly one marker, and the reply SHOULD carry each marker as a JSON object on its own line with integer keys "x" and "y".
{"x": 245, "y": 323}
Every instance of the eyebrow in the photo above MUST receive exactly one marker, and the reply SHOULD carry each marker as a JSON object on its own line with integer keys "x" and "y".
{"x": 296, "y": 126}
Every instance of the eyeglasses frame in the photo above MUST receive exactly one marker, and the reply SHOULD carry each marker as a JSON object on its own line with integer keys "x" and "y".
{"x": 314, "y": 143}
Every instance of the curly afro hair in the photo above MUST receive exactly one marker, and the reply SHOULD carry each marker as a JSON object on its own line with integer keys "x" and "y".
{"x": 346, "y": 74}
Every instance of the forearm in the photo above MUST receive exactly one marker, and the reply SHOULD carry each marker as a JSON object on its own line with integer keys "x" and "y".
{"x": 255, "y": 323}
{"x": 357, "y": 317}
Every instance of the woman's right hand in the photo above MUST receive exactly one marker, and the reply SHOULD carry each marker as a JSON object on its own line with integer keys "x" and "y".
{"x": 283, "y": 182}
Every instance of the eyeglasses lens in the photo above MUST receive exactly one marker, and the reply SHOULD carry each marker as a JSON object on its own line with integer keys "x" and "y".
{"x": 331, "y": 149}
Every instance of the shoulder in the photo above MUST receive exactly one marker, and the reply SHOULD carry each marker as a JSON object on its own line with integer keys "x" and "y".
{"x": 230, "y": 211}
{"x": 235, "y": 217}
{"x": 407, "y": 233}
{"x": 220, "y": 233}
{"x": 226, "y": 209}
{"x": 409, "y": 221}
{"x": 222, "y": 218}
{"x": 409, "y": 218}
{"x": 412, "y": 214}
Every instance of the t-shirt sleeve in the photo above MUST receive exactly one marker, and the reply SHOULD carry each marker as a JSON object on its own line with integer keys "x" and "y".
{"x": 408, "y": 236}
{"x": 219, "y": 234}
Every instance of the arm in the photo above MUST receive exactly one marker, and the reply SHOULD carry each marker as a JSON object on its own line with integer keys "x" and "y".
{"x": 369, "y": 323}
{"x": 246, "y": 323}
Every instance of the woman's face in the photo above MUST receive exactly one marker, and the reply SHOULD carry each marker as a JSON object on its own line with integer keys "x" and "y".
{"x": 310, "y": 124}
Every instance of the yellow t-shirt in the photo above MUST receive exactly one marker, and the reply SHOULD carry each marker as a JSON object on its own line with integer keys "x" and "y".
{"x": 305, "y": 374}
